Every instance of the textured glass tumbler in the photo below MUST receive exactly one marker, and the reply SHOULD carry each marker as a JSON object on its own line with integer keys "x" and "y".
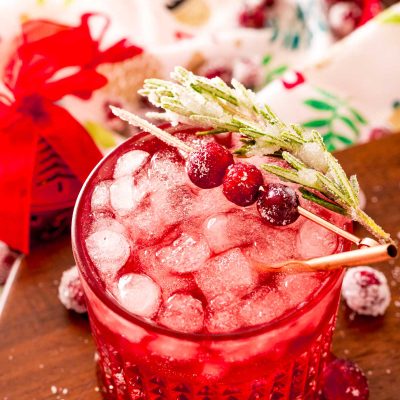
{"x": 282, "y": 359}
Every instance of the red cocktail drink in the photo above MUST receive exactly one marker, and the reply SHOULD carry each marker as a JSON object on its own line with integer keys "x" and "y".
{"x": 177, "y": 306}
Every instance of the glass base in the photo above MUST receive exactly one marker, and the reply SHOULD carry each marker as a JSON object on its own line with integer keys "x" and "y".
{"x": 297, "y": 380}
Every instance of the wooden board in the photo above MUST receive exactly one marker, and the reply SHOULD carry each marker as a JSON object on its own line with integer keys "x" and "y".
{"x": 45, "y": 350}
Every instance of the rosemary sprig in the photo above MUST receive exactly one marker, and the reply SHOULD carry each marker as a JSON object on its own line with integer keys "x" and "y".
{"x": 212, "y": 104}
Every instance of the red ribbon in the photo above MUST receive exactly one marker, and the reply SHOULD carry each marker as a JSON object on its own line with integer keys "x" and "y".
{"x": 29, "y": 110}
{"x": 370, "y": 9}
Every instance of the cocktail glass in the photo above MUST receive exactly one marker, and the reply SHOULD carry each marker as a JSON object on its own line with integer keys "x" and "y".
{"x": 140, "y": 359}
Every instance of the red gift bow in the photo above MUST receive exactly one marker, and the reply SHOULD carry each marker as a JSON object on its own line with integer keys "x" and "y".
{"x": 29, "y": 110}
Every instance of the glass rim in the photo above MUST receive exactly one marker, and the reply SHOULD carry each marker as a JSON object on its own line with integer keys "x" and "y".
{"x": 86, "y": 268}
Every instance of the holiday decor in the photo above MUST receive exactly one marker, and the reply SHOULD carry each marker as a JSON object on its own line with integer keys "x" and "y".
{"x": 46, "y": 154}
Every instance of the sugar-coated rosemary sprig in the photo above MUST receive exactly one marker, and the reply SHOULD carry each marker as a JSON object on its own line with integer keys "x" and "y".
{"x": 212, "y": 104}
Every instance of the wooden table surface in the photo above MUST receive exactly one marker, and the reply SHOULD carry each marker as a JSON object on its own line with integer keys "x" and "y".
{"x": 47, "y": 352}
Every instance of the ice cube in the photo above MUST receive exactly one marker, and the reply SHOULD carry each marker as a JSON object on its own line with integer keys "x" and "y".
{"x": 314, "y": 240}
{"x": 228, "y": 230}
{"x": 120, "y": 326}
{"x": 216, "y": 232}
{"x": 125, "y": 194}
{"x": 130, "y": 163}
{"x": 262, "y": 306}
{"x": 223, "y": 313}
{"x": 223, "y": 301}
{"x": 172, "y": 204}
{"x": 100, "y": 200}
{"x": 170, "y": 283}
{"x": 167, "y": 169}
{"x": 272, "y": 245}
{"x": 109, "y": 251}
{"x": 144, "y": 226}
{"x": 296, "y": 288}
{"x": 139, "y": 294}
{"x": 209, "y": 202}
{"x": 186, "y": 254}
{"x": 106, "y": 222}
{"x": 222, "y": 321}
{"x": 183, "y": 313}
{"x": 227, "y": 272}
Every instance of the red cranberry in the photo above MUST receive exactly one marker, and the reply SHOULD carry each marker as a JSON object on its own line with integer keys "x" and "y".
{"x": 224, "y": 139}
{"x": 206, "y": 166}
{"x": 242, "y": 183}
{"x": 344, "y": 380}
{"x": 278, "y": 204}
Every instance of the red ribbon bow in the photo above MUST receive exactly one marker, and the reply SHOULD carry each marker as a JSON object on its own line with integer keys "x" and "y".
{"x": 34, "y": 80}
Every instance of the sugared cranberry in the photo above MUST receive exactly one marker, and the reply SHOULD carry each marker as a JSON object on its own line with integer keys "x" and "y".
{"x": 278, "y": 204}
{"x": 70, "y": 291}
{"x": 206, "y": 166}
{"x": 242, "y": 183}
{"x": 344, "y": 380}
{"x": 343, "y": 17}
{"x": 366, "y": 291}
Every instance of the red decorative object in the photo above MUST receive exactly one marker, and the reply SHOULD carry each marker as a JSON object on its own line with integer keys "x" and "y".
{"x": 293, "y": 79}
{"x": 371, "y": 8}
{"x": 182, "y": 35}
{"x": 255, "y": 15}
{"x": 45, "y": 154}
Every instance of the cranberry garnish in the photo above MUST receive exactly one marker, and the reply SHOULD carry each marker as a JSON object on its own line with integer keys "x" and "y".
{"x": 344, "y": 380}
{"x": 242, "y": 183}
{"x": 278, "y": 204}
{"x": 207, "y": 165}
